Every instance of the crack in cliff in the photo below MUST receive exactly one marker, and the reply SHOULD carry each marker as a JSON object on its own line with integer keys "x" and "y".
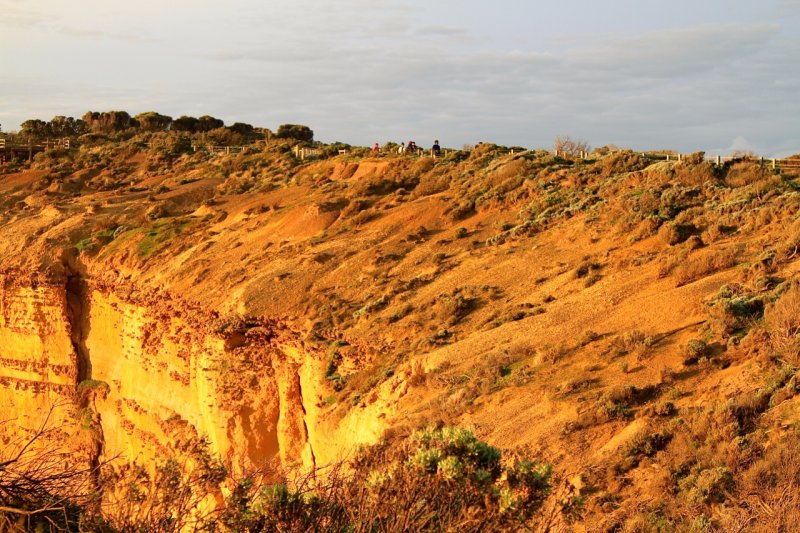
{"x": 305, "y": 422}
{"x": 78, "y": 302}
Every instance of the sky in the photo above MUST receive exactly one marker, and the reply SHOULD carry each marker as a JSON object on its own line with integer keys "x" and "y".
{"x": 688, "y": 75}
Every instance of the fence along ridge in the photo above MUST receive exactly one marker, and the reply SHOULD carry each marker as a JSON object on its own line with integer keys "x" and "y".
{"x": 303, "y": 152}
{"x": 775, "y": 162}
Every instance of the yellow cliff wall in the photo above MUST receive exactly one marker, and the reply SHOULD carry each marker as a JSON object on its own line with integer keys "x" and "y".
{"x": 170, "y": 379}
{"x": 164, "y": 374}
{"x": 38, "y": 365}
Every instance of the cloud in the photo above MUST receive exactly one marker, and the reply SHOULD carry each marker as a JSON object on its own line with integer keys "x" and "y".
{"x": 669, "y": 53}
{"x": 448, "y": 32}
{"x": 17, "y": 15}
{"x": 789, "y": 7}
{"x": 358, "y": 70}
{"x": 94, "y": 33}
{"x": 675, "y": 88}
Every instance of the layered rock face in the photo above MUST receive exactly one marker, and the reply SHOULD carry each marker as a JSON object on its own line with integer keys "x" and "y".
{"x": 39, "y": 366}
{"x": 162, "y": 373}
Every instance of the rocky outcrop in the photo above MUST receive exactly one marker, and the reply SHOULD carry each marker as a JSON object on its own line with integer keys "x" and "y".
{"x": 167, "y": 371}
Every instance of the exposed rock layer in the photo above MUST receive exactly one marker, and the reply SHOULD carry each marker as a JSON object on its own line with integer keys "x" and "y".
{"x": 167, "y": 372}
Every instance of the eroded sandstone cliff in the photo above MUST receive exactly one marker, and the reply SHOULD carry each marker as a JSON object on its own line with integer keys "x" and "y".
{"x": 164, "y": 369}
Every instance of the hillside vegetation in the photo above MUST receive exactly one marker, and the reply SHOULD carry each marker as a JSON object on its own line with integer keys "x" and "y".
{"x": 630, "y": 325}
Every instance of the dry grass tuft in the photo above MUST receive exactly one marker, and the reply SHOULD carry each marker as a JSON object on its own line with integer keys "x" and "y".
{"x": 704, "y": 263}
{"x": 783, "y": 325}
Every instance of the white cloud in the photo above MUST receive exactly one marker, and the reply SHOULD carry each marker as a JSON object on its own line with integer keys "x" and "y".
{"x": 357, "y": 70}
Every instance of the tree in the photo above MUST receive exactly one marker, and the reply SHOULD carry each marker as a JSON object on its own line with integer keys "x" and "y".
{"x": 241, "y": 128}
{"x": 295, "y": 131}
{"x": 568, "y": 146}
{"x": 184, "y": 123}
{"x": 208, "y": 123}
{"x": 59, "y": 126}
{"x": 34, "y": 128}
{"x": 153, "y": 121}
{"x": 109, "y": 121}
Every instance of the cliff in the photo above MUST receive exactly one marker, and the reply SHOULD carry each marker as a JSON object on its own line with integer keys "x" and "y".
{"x": 290, "y": 311}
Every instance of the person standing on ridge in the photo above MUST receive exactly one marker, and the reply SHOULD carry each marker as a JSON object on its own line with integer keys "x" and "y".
{"x": 436, "y": 150}
{"x": 376, "y": 148}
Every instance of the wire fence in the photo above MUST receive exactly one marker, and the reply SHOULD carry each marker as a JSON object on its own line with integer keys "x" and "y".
{"x": 787, "y": 163}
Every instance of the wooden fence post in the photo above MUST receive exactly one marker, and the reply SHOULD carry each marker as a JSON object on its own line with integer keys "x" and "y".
{"x": 719, "y": 160}
{"x": 774, "y": 165}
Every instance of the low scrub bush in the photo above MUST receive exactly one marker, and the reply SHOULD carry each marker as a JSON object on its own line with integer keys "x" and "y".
{"x": 741, "y": 173}
{"x": 673, "y": 234}
{"x": 432, "y": 183}
{"x": 783, "y": 325}
{"x": 704, "y": 263}
{"x": 618, "y": 401}
{"x": 734, "y": 310}
{"x": 694, "y": 350}
{"x": 452, "y": 308}
{"x": 646, "y": 443}
{"x": 619, "y": 162}
{"x": 634, "y": 341}
{"x": 437, "y": 480}
{"x": 586, "y": 268}
{"x": 710, "y": 485}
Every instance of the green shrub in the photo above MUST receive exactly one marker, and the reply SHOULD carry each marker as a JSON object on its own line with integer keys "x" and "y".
{"x": 694, "y": 350}
{"x": 710, "y": 485}
{"x": 437, "y": 480}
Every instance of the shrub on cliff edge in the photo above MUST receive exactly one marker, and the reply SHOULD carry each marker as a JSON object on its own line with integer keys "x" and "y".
{"x": 437, "y": 480}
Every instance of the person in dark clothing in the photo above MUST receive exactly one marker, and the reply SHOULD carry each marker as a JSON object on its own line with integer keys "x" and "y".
{"x": 436, "y": 150}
